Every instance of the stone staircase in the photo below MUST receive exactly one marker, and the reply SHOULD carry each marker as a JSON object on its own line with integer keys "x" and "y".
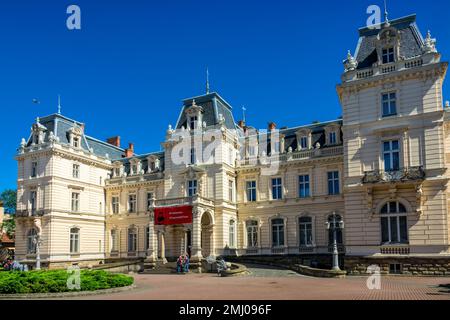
{"x": 161, "y": 268}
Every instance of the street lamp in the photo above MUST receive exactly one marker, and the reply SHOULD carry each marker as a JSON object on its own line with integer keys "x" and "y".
{"x": 334, "y": 225}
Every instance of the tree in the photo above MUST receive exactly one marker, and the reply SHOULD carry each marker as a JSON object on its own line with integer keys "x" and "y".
{"x": 9, "y": 198}
{"x": 9, "y": 227}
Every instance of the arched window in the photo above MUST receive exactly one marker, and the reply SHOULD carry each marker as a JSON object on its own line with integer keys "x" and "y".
{"x": 252, "y": 233}
{"x": 232, "y": 234}
{"x": 394, "y": 224}
{"x": 74, "y": 240}
{"x": 132, "y": 240}
{"x": 277, "y": 232}
{"x": 31, "y": 241}
{"x": 339, "y": 238}
{"x": 305, "y": 231}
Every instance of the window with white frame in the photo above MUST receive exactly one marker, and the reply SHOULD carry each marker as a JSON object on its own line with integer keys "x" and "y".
{"x": 231, "y": 190}
{"x": 388, "y": 55}
{"x": 76, "y": 171}
{"x": 303, "y": 186}
{"x": 332, "y": 137}
{"x": 31, "y": 241}
{"x": 193, "y": 120}
{"x": 192, "y": 188}
{"x": 252, "y": 233}
{"x": 251, "y": 191}
{"x": 114, "y": 240}
{"x": 34, "y": 165}
{"x": 333, "y": 183}
{"x": 389, "y": 104}
{"x": 132, "y": 201}
{"x": 277, "y": 189}
{"x": 232, "y": 234}
{"x": 74, "y": 240}
{"x": 115, "y": 205}
{"x": 75, "y": 201}
{"x": 305, "y": 231}
{"x": 134, "y": 168}
{"x": 391, "y": 155}
{"x": 132, "y": 239}
{"x": 277, "y": 232}
{"x": 394, "y": 224}
{"x": 117, "y": 172}
{"x": 304, "y": 142}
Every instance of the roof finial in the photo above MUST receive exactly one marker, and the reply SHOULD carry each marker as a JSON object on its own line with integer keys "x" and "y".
{"x": 386, "y": 14}
{"x": 59, "y": 104}
{"x": 207, "y": 80}
{"x": 243, "y": 113}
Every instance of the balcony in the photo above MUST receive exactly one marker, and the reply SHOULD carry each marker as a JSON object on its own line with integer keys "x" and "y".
{"x": 29, "y": 213}
{"x": 402, "y": 175}
{"x": 173, "y": 202}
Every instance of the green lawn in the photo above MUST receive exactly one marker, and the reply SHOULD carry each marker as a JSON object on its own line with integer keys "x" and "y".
{"x": 56, "y": 281}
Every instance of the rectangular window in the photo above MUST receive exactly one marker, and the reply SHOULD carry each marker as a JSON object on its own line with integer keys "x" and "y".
{"x": 304, "y": 142}
{"x": 333, "y": 182}
{"x": 132, "y": 200}
{"x": 117, "y": 172}
{"x": 193, "y": 156}
{"x": 388, "y": 55}
{"x": 389, "y": 103}
{"x": 132, "y": 240}
{"x": 277, "y": 189}
{"x": 305, "y": 231}
{"x": 231, "y": 190}
{"x": 34, "y": 169}
{"x": 232, "y": 234}
{"x": 75, "y": 202}
{"x": 74, "y": 241}
{"x": 277, "y": 233}
{"x": 251, "y": 191}
{"x": 150, "y": 196}
{"x": 303, "y": 186}
{"x": 115, "y": 205}
{"x": 252, "y": 234}
{"x": 76, "y": 171}
{"x": 391, "y": 155}
{"x": 76, "y": 142}
{"x": 332, "y": 138}
{"x": 193, "y": 122}
{"x": 192, "y": 188}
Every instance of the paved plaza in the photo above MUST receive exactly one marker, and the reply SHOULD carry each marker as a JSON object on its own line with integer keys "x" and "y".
{"x": 265, "y": 283}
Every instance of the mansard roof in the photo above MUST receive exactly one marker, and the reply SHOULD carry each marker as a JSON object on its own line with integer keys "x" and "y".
{"x": 61, "y": 125}
{"x": 213, "y": 105}
{"x": 143, "y": 158}
{"x": 411, "y": 41}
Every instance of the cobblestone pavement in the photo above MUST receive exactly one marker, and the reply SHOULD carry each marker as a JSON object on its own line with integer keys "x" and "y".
{"x": 276, "y": 284}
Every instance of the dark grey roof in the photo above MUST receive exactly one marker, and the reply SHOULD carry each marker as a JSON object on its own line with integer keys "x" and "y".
{"x": 213, "y": 105}
{"x": 144, "y": 161}
{"x": 60, "y": 126}
{"x": 411, "y": 41}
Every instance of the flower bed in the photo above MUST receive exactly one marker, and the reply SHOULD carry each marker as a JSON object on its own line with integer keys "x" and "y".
{"x": 54, "y": 281}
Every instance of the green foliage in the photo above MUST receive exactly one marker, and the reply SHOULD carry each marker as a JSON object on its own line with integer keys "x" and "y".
{"x": 9, "y": 199}
{"x": 56, "y": 281}
{"x": 9, "y": 226}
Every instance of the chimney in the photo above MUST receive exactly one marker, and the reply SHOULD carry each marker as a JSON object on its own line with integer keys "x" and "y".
{"x": 115, "y": 141}
{"x": 272, "y": 126}
{"x": 129, "y": 152}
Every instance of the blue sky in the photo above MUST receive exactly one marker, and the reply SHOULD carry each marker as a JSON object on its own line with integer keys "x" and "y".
{"x": 129, "y": 67}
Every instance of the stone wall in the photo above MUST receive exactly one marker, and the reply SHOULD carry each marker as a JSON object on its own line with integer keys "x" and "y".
{"x": 420, "y": 266}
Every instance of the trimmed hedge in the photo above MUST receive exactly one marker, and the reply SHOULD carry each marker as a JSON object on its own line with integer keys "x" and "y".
{"x": 54, "y": 281}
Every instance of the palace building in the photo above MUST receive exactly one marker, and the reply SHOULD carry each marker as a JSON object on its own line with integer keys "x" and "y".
{"x": 221, "y": 187}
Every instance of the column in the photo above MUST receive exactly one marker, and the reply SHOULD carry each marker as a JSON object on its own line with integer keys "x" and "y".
{"x": 196, "y": 236}
{"x": 150, "y": 261}
{"x": 163, "y": 247}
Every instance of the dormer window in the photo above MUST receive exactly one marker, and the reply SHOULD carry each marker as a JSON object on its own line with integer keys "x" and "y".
{"x": 134, "y": 169}
{"x": 117, "y": 172}
{"x": 151, "y": 166}
{"x": 304, "y": 143}
{"x": 76, "y": 142}
{"x": 193, "y": 121}
{"x": 304, "y": 139}
{"x": 388, "y": 55}
{"x": 332, "y": 137}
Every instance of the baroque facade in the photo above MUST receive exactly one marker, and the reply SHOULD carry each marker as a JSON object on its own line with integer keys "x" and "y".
{"x": 221, "y": 187}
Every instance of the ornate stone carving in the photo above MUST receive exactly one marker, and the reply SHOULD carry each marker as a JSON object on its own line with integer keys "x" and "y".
{"x": 429, "y": 45}
{"x": 350, "y": 64}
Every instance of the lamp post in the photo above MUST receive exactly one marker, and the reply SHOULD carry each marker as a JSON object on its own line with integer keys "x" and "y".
{"x": 334, "y": 226}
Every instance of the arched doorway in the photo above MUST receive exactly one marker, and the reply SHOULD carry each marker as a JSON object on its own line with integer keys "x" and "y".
{"x": 207, "y": 235}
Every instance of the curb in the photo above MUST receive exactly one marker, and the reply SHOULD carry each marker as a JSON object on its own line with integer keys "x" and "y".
{"x": 64, "y": 294}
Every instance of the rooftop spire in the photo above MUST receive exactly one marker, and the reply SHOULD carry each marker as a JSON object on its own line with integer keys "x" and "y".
{"x": 386, "y": 14}
{"x": 207, "y": 80}
{"x": 59, "y": 104}
{"x": 243, "y": 113}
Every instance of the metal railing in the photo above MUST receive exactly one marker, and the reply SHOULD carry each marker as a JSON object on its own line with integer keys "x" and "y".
{"x": 401, "y": 175}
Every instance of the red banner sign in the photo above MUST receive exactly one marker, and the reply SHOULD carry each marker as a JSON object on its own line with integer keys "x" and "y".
{"x": 173, "y": 215}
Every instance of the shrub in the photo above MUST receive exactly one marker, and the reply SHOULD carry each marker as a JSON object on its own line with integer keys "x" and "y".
{"x": 53, "y": 281}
